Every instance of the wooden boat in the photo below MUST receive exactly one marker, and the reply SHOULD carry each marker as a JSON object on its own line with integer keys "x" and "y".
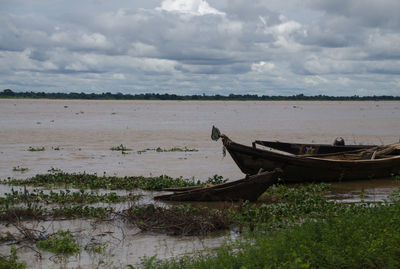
{"x": 248, "y": 188}
{"x": 301, "y": 148}
{"x": 372, "y": 162}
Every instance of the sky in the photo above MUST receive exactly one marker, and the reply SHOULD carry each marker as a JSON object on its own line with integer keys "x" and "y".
{"x": 274, "y": 47}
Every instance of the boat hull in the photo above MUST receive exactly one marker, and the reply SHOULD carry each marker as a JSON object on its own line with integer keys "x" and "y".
{"x": 301, "y": 149}
{"x": 249, "y": 188}
{"x": 309, "y": 169}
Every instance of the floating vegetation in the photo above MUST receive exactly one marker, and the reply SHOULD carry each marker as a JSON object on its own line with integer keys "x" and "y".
{"x": 121, "y": 148}
{"x": 36, "y": 149}
{"x": 178, "y": 220}
{"x": 96, "y": 247}
{"x": 92, "y": 181}
{"x": 62, "y": 242}
{"x": 37, "y": 212}
{"x": 12, "y": 260}
{"x": 28, "y": 212}
{"x": 56, "y": 148}
{"x": 285, "y": 205}
{"x": 63, "y": 197}
{"x": 20, "y": 169}
{"x": 174, "y": 149}
{"x": 80, "y": 211}
{"x": 216, "y": 179}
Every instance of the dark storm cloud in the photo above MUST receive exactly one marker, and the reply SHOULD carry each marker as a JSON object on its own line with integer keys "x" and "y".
{"x": 367, "y": 13}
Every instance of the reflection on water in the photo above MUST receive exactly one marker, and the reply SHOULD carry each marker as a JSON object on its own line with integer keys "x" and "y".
{"x": 371, "y": 190}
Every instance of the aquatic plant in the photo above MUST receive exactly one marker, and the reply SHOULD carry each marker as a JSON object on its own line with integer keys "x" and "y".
{"x": 27, "y": 212}
{"x": 283, "y": 205}
{"x": 174, "y": 149}
{"x": 356, "y": 236}
{"x": 92, "y": 181}
{"x": 216, "y": 179}
{"x": 36, "y": 149}
{"x": 96, "y": 248}
{"x": 63, "y": 197}
{"x": 81, "y": 212}
{"x": 62, "y": 242}
{"x": 11, "y": 261}
{"x": 20, "y": 169}
{"x": 121, "y": 148}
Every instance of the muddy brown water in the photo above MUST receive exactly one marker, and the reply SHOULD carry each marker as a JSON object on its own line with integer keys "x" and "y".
{"x": 84, "y": 131}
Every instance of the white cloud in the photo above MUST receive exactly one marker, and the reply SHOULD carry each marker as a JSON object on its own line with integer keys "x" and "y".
{"x": 315, "y": 80}
{"x": 192, "y": 7}
{"x": 262, "y": 67}
{"x": 226, "y": 45}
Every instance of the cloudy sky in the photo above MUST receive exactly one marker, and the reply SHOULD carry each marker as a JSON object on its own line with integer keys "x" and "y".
{"x": 285, "y": 47}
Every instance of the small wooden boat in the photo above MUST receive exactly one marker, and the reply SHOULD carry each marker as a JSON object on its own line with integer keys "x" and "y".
{"x": 371, "y": 162}
{"x": 248, "y": 188}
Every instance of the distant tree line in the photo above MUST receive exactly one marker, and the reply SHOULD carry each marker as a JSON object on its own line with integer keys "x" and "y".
{"x": 7, "y": 93}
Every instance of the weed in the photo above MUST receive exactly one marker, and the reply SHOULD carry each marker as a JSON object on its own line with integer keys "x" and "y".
{"x": 62, "y": 197}
{"x": 96, "y": 248}
{"x": 216, "y": 179}
{"x": 121, "y": 148}
{"x": 356, "y": 236}
{"x": 20, "y": 169}
{"x": 61, "y": 242}
{"x": 174, "y": 149}
{"x": 82, "y": 212}
{"x": 93, "y": 181}
{"x": 36, "y": 149}
{"x": 29, "y": 211}
{"x": 12, "y": 261}
{"x": 54, "y": 170}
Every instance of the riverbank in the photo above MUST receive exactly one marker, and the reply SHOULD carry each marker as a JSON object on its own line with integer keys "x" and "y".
{"x": 290, "y": 226}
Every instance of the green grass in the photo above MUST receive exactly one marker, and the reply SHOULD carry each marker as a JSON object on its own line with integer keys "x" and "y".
{"x": 61, "y": 242}
{"x": 360, "y": 236}
{"x": 296, "y": 227}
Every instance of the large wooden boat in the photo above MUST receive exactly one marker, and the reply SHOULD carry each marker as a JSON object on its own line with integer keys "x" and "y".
{"x": 302, "y": 148}
{"x": 365, "y": 163}
{"x": 248, "y": 188}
